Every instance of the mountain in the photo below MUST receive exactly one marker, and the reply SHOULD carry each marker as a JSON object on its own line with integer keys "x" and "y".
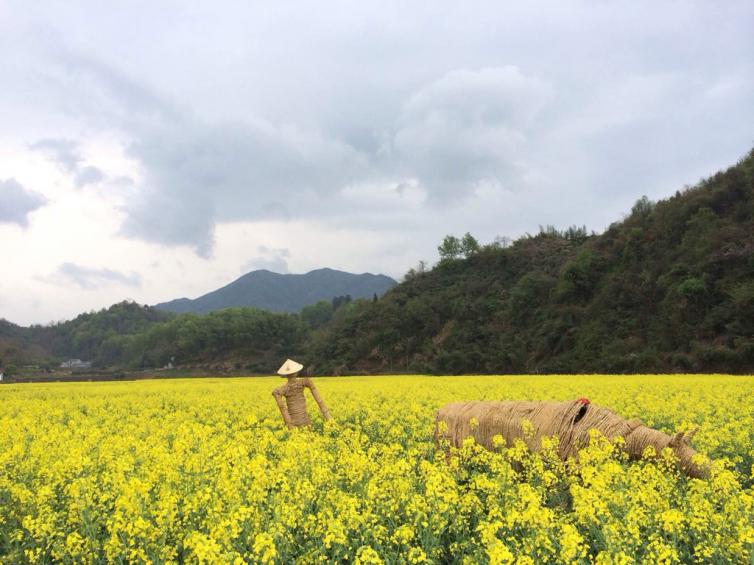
{"x": 669, "y": 288}
{"x": 283, "y": 293}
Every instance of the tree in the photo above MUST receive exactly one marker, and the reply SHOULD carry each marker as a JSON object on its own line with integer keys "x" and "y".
{"x": 450, "y": 248}
{"x": 576, "y": 234}
{"x": 339, "y": 301}
{"x": 469, "y": 245}
{"x": 318, "y": 314}
{"x": 642, "y": 208}
{"x": 502, "y": 241}
{"x": 579, "y": 276}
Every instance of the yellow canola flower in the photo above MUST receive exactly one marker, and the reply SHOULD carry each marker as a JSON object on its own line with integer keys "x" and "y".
{"x": 264, "y": 548}
{"x": 204, "y": 471}
{"x": 672, "y": 521}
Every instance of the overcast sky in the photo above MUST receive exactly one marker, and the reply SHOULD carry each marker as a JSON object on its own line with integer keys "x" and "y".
{"x": 153, "y": 150}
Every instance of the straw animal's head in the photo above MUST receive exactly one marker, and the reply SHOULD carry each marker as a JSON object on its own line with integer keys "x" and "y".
{"x": 685, "y": 453}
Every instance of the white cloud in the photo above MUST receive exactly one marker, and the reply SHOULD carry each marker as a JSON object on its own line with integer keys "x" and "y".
{"x": 275, "y": 260}
{"x": 66, "y": 154}
{"x": 92, "y": 277}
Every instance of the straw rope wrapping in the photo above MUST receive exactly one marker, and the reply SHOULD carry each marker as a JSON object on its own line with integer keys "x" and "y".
{"x": 570, "y": 421}
{"x": 292, "y": 404}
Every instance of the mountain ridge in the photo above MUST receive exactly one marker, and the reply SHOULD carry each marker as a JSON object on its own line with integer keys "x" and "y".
{"x": 282, "y": 292}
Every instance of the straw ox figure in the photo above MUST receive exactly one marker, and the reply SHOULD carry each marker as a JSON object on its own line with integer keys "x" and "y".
{"x": 570, "y": 421}
{"x": 290, "y": 397}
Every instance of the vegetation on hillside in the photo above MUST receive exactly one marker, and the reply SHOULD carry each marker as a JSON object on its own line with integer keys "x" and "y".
{"x": 669, "y": 288}
{"x": 130, "y": 336}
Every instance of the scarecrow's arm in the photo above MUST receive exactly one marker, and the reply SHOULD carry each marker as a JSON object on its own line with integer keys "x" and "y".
{"x": 318, "y": 399}
{"x": 278, "y": 394}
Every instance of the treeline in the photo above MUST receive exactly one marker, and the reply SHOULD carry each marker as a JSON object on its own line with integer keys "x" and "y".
{"x": 131, "y": 336}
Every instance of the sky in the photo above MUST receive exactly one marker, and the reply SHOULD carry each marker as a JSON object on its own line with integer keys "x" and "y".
{"x": 155, "y": 150}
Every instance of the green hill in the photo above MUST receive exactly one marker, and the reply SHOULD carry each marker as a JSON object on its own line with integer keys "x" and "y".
{"x": 17, "y": 346}
{"x": 669, "y": 288}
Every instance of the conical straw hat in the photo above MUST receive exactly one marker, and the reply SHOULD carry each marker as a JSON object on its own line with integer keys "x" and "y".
{"x": 290, "y": 367}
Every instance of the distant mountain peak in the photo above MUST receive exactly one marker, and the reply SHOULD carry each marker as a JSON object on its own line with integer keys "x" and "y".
{"x": 283, "y": 292}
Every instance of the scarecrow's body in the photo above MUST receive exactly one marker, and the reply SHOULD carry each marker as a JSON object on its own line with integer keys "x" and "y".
{"x": 570, "y": 421}
{"x": 290, "y": 399}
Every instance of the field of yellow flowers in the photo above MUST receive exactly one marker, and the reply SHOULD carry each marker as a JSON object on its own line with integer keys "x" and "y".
{"x": 204, "y": 471}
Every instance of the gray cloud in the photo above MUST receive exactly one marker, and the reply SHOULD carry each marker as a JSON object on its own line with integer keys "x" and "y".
{"x": 467, "y": 127}
{"x": 197, "y": 174}
{"x": 91, "y": 277}
{"x": 272, "y": 259}
{"x": 453, "y": 133}
{"x": 439, "y": 107}
{"x": 66, "y": 154}
{"x": 88, "y": 175}
{"x": 17, "y": 202}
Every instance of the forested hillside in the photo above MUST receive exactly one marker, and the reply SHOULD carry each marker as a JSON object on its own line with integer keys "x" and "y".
{"x": 669, "y": 288}
{"x": 91, "y": 336}
{"x": 131, "y": 336}
{"x": 16, "y": 346}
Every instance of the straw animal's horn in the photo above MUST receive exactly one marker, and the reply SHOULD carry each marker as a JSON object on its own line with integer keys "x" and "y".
{"x": 677, "y": 439}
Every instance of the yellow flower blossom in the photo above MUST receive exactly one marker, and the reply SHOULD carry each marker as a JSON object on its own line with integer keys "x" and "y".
{"x": 204, "y": 471}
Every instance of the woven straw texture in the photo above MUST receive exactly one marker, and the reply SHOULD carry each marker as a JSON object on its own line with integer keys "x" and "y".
{"x": 570, "y": 421}
{"x": 292, "y": 403}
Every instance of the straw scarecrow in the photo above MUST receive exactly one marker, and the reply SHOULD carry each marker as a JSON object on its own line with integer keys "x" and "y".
{"x": 570, "y": 421}
{"x": 290, "y": 397}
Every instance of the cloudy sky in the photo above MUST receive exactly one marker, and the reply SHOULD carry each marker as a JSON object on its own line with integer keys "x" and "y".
{"x": 153, "y": 150}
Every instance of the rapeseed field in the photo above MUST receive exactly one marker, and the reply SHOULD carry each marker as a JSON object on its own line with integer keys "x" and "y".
{"x": 205, "y": 471}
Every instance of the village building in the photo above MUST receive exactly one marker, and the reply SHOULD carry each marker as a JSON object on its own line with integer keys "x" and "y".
{"x": 76, "y": 364}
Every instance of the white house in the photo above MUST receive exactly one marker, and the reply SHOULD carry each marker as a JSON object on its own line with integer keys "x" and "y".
{"x": 75, "y": 364}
